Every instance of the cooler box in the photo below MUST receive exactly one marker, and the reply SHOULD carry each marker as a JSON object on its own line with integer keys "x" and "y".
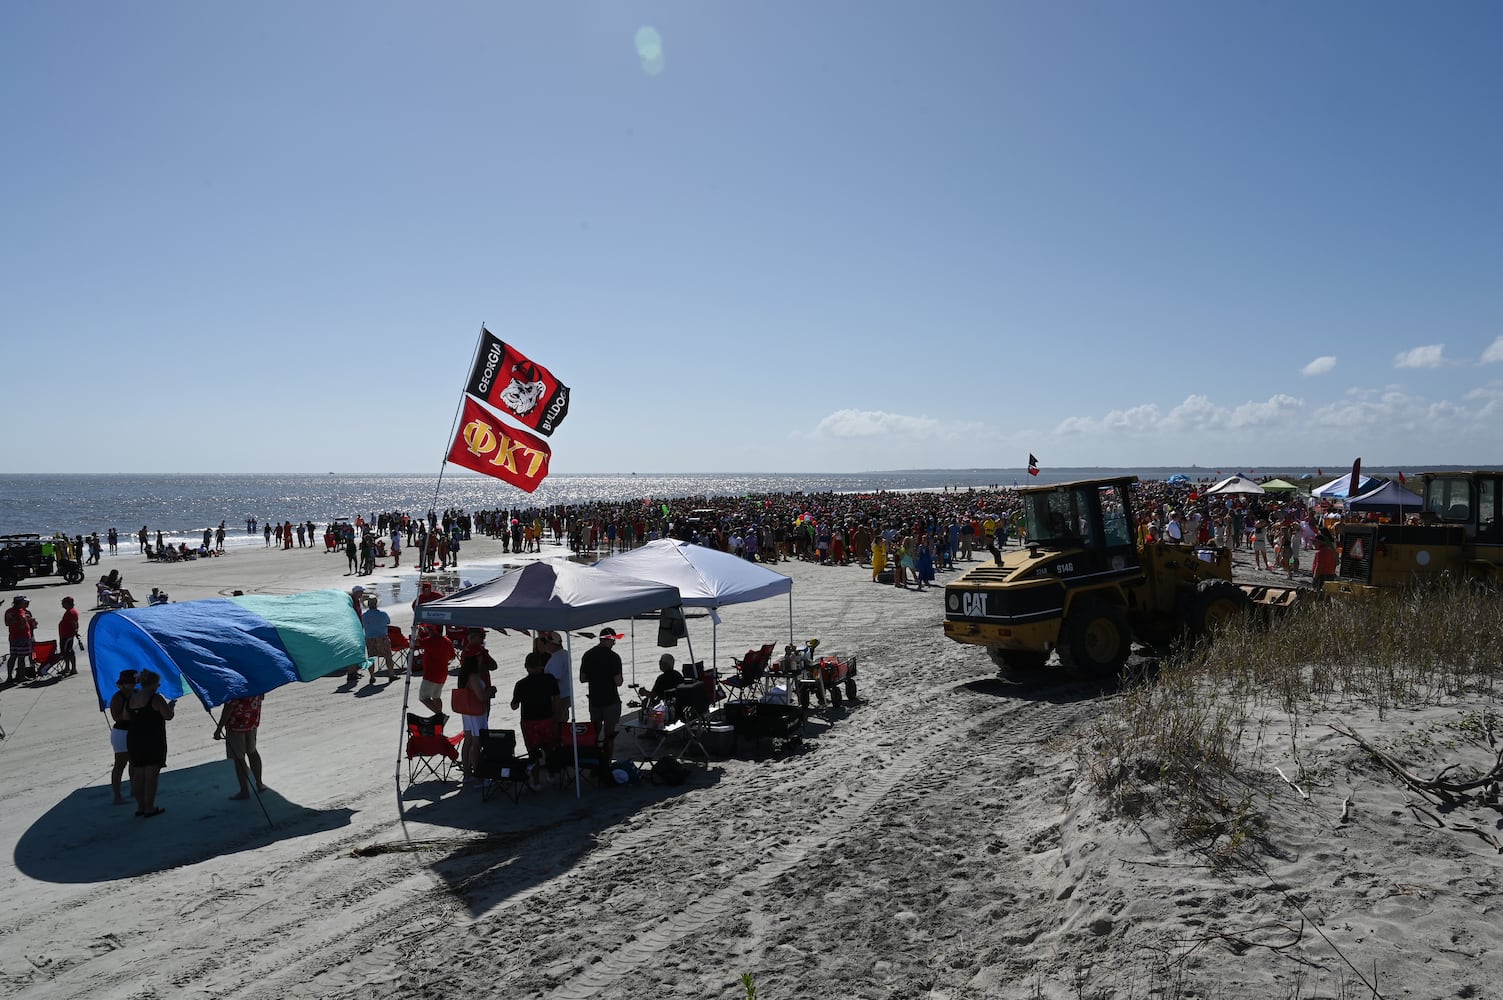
{"x": 722, "y": 740}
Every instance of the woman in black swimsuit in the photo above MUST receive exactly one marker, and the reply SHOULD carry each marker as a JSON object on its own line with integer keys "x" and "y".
{"x": 146, "y": 741}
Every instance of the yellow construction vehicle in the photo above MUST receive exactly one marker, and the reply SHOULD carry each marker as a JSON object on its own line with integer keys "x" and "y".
{"x": 1460, "y": 536}
{"x": 1082, "y": 586}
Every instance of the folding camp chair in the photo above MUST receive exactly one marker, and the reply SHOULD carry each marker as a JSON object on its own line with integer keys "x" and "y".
{"x": 429, "y": 751}
{"x": 561, "y": 759}
{"x": 500, "y": 769}
{"x": 751, "y": 671}
{"x": 44, "y": 656}
{"x": 401, "y": 647}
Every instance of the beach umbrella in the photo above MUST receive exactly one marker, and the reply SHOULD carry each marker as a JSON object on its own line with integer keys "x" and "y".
{"x": 228, "y": 647}
{"x": 1178, "y": 479}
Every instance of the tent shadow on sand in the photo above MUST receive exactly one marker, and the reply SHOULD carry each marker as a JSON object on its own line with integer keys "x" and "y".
{"x": 504, "y": 848}
{"x": 86, "y": 839}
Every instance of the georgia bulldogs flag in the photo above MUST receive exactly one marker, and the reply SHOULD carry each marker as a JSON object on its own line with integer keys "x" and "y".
{"x": 486, "y": 445}
{"x": 517, "y": 386}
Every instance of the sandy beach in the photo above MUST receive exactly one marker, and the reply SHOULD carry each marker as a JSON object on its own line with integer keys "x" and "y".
{"x": 933, "y": 840}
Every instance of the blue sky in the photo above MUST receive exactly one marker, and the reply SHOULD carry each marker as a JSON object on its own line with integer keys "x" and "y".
{"x": 779, "y": 237}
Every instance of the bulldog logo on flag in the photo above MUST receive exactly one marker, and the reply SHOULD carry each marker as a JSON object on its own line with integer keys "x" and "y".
{"x": 518, "y": 386}
{"x": 484, "y": 444}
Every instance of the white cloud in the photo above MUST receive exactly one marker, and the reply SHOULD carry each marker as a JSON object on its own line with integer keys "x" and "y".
{"x": 1320, "y": 366}
{"x": 1196, "y": 414}
{"x": 1428, "y": 356}
{"x": 1493, "y": 354}
{"x": 850, "y": 423}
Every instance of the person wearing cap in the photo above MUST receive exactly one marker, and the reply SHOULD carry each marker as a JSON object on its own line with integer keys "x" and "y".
{"x": 67, "y": 634}
{"x": 600, "y": 672}
{"x": 119, "y": 726}
{"x": 377, "y": 640}
{"x": 426, "y": 593}
{"x": 560, "y": 669}
{"x": 22, "y": 627}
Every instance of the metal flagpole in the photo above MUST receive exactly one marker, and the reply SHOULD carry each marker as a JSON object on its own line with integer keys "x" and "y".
{"x": 437, "y": 486}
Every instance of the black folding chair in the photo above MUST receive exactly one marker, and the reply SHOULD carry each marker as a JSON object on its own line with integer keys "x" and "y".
{"x": 499, "y": 768}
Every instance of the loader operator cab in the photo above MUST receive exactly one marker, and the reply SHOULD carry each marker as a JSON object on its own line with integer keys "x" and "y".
{"x": 1095, "y": 517}
{"x": 1470, "y": 500}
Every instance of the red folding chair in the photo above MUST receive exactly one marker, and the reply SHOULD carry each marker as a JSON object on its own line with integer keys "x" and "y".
{"x": 431, "y": 754}
{"x": 401, "y": 647}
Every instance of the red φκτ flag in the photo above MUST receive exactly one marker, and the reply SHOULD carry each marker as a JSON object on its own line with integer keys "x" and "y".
{"x": 1351, "y": 487}
{"x": 1402, "y": 480}
{"x": 517, "y": 386}
{"x": 486, "y": 445}
{"x": 1033, "y": 465}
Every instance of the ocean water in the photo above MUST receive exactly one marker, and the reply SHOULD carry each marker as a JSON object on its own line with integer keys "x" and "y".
{"x": 181, "y": 506}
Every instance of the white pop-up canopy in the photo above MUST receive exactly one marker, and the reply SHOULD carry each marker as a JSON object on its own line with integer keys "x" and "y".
{"x": 703, "y": 577}
{"x": 1337, "y": 488}
{"x": 1234, "y": 484}
{"x": 548, "y": 596}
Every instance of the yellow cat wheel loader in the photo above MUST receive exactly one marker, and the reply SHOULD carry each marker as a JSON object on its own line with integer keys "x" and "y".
{"x": 1082, "y": 587}
{"x": 1460, "y": 536}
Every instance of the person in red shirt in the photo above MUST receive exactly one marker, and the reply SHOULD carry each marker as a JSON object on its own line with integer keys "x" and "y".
{"x": 22, "y": 628}
{"x": 67, "y": 634}
{"x": 1325, "y": 560}
{"x": 436, "y": 652}
{"x": 425, "y": 594}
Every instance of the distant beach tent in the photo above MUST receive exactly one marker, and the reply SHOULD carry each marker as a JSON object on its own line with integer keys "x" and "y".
{"x": 1233, "y": 485}
{"x": 1390, "y": 498}
{"x": 1282, "y": 485}
{"x": 228, "y": 647}
{"x": 704, "y": 577}
{"x": 1336, "y": 489}
{"x": 1178, "y": 479}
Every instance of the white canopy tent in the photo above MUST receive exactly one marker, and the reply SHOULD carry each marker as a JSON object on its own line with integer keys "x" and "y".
{"x": 703, "y": 577}
{"x": 1234, "y": 484}
{"x": 551, "y": 596}
{"x": 1337, "y": 488}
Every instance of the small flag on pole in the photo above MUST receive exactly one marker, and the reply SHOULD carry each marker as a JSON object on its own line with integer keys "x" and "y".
{"x": 1402, "y": 480}
{"x": 1033, "y": 465}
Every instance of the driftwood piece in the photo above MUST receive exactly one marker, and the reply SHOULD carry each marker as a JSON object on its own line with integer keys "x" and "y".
{"x": 1449, "y": 792}
{"x": 1302, "y": 793}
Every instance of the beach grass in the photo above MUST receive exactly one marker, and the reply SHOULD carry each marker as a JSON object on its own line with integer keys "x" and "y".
{"x": 1191, "y": 738}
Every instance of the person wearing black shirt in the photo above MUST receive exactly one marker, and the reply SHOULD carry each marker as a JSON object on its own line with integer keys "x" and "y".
{"x": 668, "y": 678}
{"x": 600, "y": 672}
{"x": 536, "y": 695}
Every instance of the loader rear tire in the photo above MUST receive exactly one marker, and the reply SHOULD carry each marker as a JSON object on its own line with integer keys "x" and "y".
{"x": 1095, "y": 640}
